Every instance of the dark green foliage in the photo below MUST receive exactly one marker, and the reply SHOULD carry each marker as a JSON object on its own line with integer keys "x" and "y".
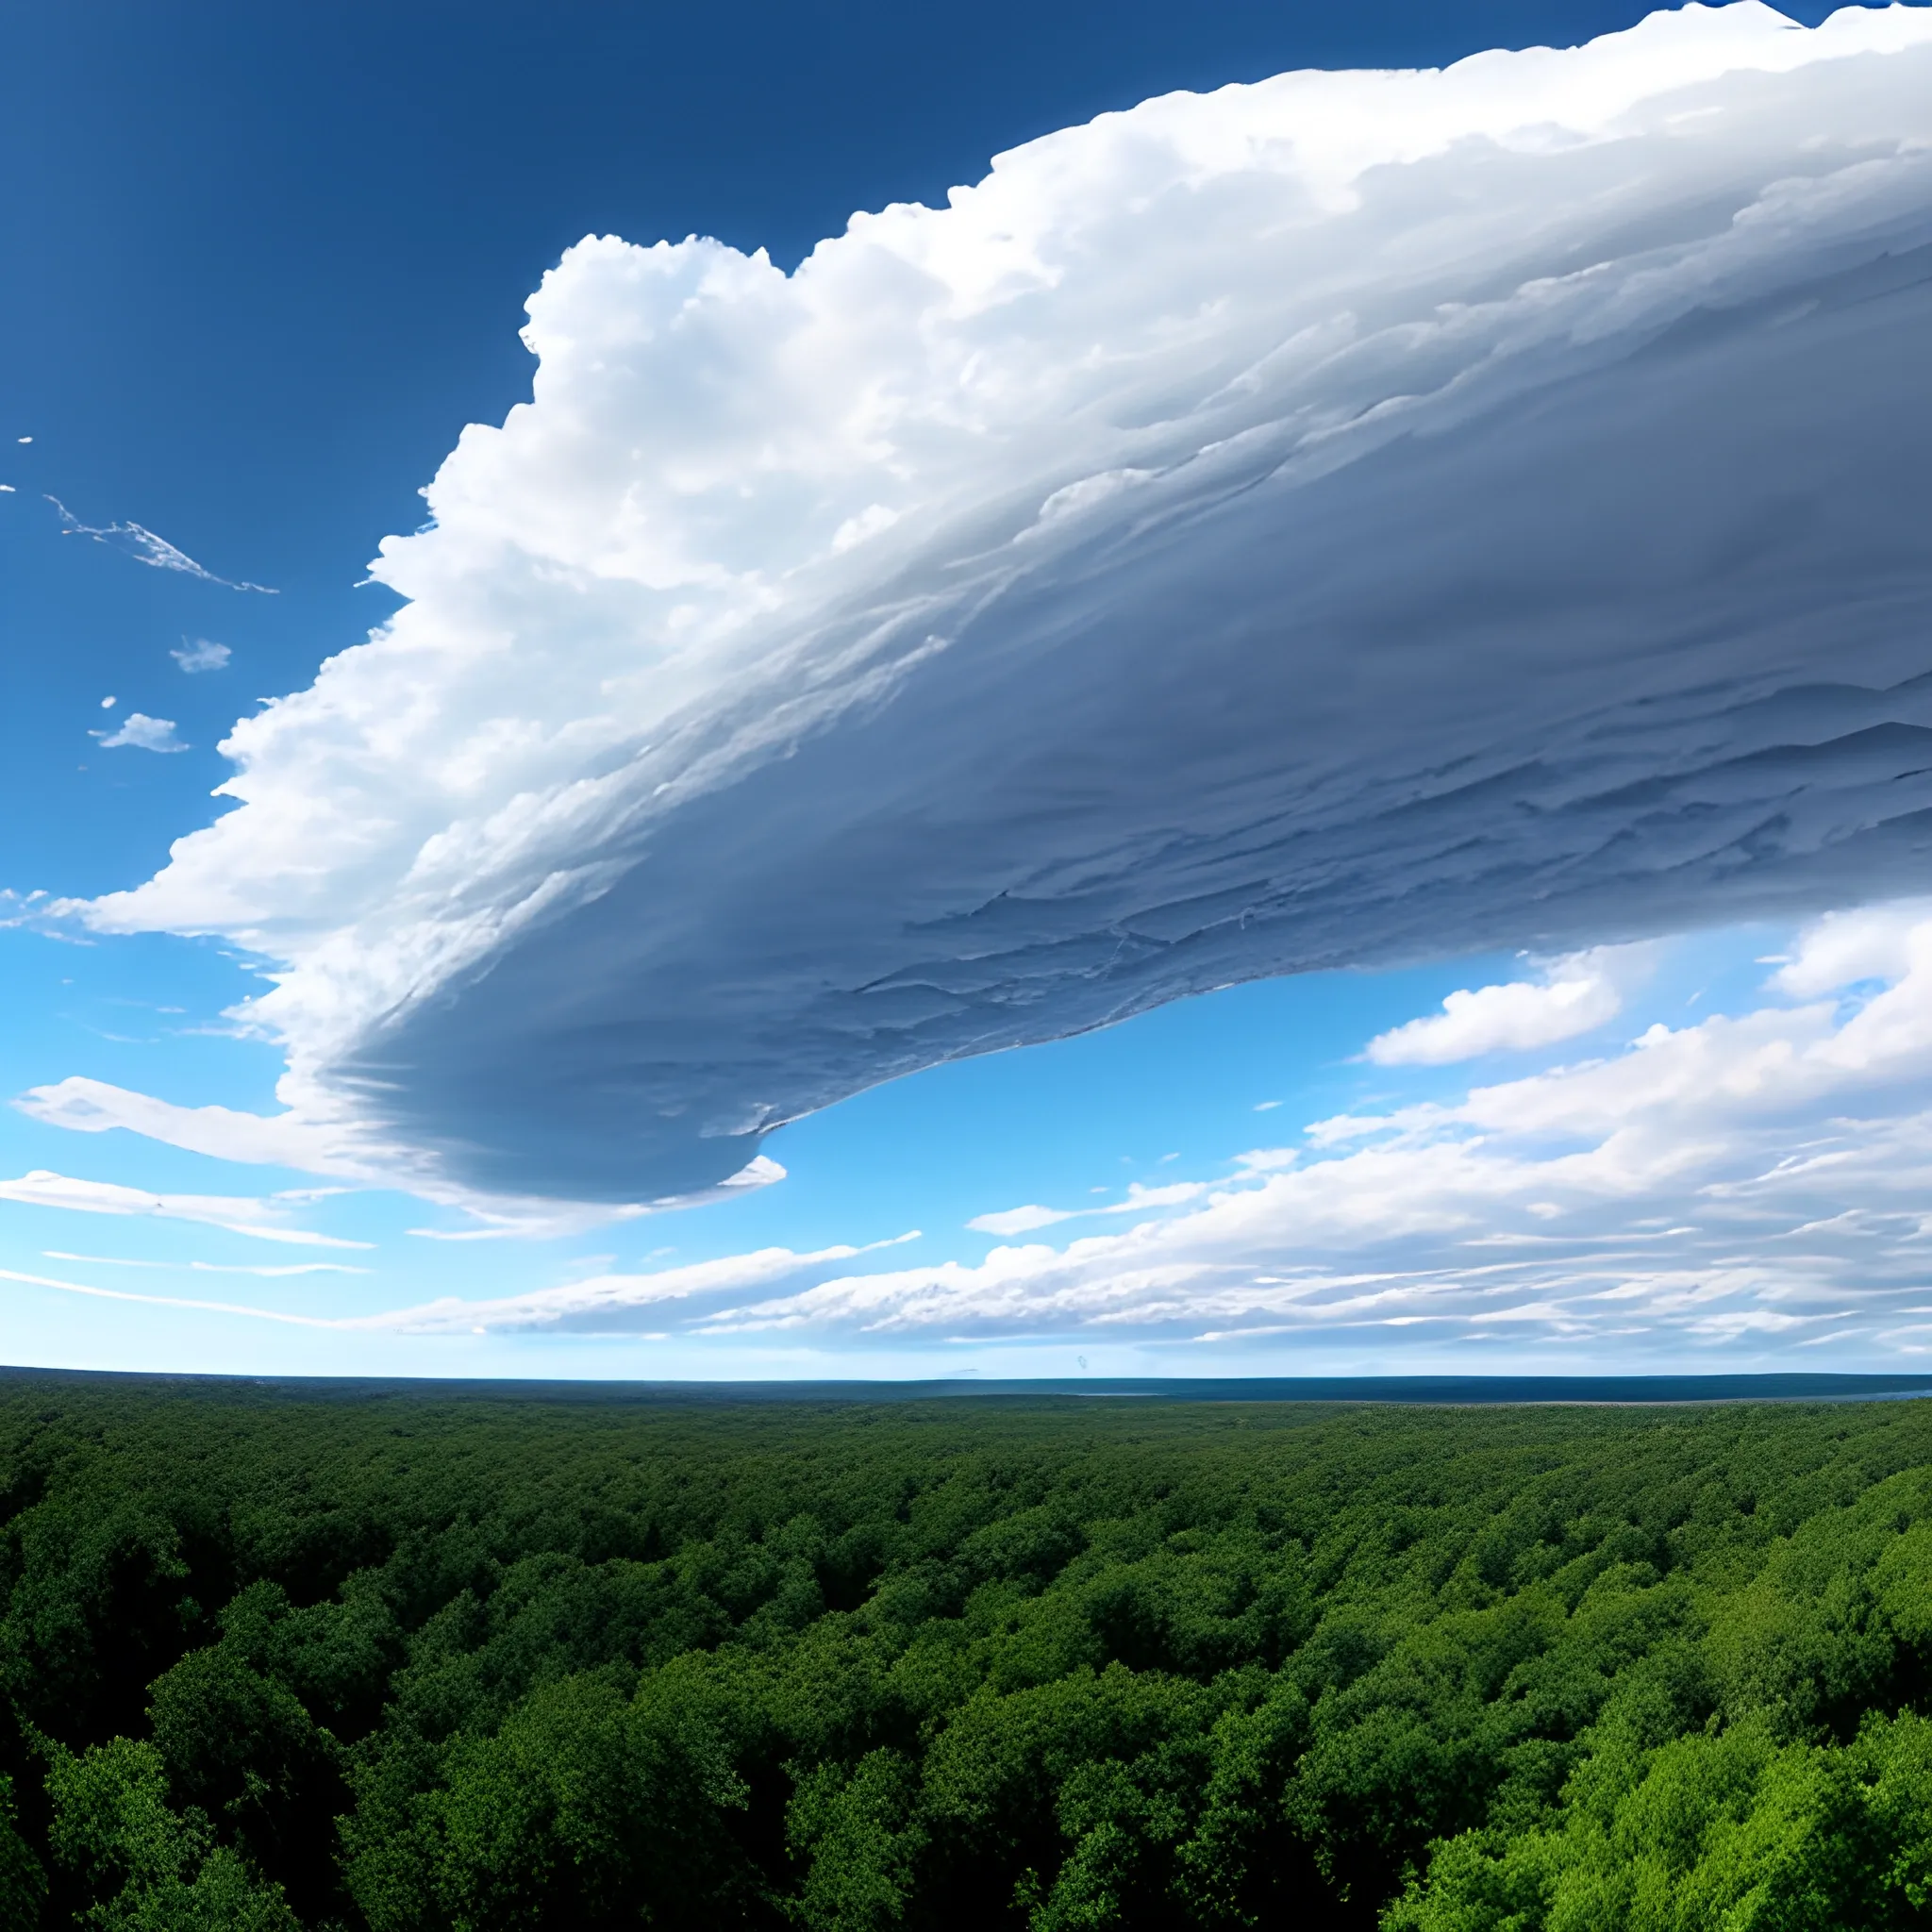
{"x": 23, "y": 1884}
{"x": 413, "y": 1663}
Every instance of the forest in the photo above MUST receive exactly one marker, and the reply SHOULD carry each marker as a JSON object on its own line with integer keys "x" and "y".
{"x": 413, "y": 1661}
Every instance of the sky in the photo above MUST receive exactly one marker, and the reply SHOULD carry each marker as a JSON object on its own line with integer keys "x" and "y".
{"x": 1282, "y": 734}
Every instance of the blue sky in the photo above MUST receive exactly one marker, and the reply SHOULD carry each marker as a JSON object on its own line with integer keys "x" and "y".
{"x": 273, "y": 265}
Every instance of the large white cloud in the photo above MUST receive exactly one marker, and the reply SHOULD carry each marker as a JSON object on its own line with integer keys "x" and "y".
{"x": 1333, "y": 520}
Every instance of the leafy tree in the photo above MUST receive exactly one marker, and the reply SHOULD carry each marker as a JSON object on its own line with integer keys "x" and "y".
{"x": 150, "y": 1869}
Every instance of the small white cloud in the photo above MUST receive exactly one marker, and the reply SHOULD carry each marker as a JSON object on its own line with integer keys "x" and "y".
{"x": 107, "y": 704}
{"x": 1844, "y": 948}
{"x": 1266, "y": 1106}
{"x": 1012, "y": 1221}
{"x": 1574, "y": 995}
{"x": 141, "y": 732}
{"x": 201, "y": 654}
{"x": 1169, "y": 1195}
{"x": 1266, "y": 1159}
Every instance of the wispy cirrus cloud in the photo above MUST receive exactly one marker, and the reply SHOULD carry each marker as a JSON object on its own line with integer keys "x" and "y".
{"x": 264, "y": 1219}
{"x": 265, "y": 1270}
{"x": 1140, "y": 1199}
{"x": 618, "y": 1303}
{"x": 138, "y": 542}
{"x": 247, "y": 1311}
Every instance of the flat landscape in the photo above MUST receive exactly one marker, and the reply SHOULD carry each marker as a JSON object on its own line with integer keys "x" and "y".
{"x": 402, "y": 1658}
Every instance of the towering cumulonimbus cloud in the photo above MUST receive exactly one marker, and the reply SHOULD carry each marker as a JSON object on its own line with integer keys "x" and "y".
{"x": 1342, "y": 519}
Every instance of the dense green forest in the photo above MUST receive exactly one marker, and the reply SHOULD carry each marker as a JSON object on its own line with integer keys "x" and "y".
{"x": 404, "y": 1661}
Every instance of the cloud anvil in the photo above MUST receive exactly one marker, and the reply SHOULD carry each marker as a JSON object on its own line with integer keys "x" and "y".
{"x": 1343, "y": 520}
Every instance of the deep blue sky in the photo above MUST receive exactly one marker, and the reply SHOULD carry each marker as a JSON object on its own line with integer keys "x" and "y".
{"x": 264, "y": 262}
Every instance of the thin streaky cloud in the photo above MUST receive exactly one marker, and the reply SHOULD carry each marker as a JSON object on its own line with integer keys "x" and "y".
{"x": 616, "y": 1304}
{"x": 1140, "y": 1199}
{"x": 138, "y": 542}
{"x": 169, "y": 1301}
{"x": 270, "y": 1269}
{"x": 235, "y": 1213}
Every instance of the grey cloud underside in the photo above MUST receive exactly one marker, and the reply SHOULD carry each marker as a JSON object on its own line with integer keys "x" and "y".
{"x": 1641, "y": 647}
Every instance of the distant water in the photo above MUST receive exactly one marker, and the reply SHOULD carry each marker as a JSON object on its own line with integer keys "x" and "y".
{"x": 1402, "y": 1389}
